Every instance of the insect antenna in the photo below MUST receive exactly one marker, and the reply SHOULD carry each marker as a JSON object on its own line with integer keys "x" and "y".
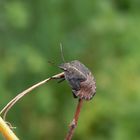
{"x": 62, "y": 54}
{"x": 52, "y": 63}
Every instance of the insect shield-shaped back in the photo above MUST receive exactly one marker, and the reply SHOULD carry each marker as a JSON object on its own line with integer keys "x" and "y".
{"x": 80, "y": 79}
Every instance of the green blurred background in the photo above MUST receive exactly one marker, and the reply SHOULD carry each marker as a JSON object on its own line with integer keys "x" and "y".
{"x": 102, "y": 34}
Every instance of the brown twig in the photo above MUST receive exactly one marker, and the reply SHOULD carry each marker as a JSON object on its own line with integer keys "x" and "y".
{"x": 5, "y": 110}
{"x": 74, "y": 122}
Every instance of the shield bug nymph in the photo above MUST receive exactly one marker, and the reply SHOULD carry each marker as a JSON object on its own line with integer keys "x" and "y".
{"x": 80, "y": 79}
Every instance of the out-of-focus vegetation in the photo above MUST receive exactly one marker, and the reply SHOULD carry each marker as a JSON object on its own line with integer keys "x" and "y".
{"x": 103, "y": 34}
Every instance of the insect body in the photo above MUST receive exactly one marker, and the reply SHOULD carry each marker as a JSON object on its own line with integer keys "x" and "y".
{"x": 80, "y": 79}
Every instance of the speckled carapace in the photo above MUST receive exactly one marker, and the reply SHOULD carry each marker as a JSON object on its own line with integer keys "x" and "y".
{"x": 80, "y": 79}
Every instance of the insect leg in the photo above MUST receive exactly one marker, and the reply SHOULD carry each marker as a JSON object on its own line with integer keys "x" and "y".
{"x": 61, "y": 80}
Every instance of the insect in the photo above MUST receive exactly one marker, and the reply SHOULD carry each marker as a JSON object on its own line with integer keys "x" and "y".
{"x": 80, "y": 79}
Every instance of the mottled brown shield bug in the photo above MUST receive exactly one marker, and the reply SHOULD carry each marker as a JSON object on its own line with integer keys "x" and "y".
{"x": 80, "y": 79}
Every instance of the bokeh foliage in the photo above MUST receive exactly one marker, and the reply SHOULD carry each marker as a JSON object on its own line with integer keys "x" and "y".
{"x": 103, "y": 34}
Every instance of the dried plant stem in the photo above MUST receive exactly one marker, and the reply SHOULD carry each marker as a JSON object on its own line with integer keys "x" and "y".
{"x": 20, "y": 95}
{"x": 74, "y": 121}
{"x": 6, "y": 131}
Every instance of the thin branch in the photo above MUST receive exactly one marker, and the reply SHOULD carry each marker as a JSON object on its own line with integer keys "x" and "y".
{"x": 5, "y": 110}
{"x": 6, "y": 131}
{"x": 74, "y": 121}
